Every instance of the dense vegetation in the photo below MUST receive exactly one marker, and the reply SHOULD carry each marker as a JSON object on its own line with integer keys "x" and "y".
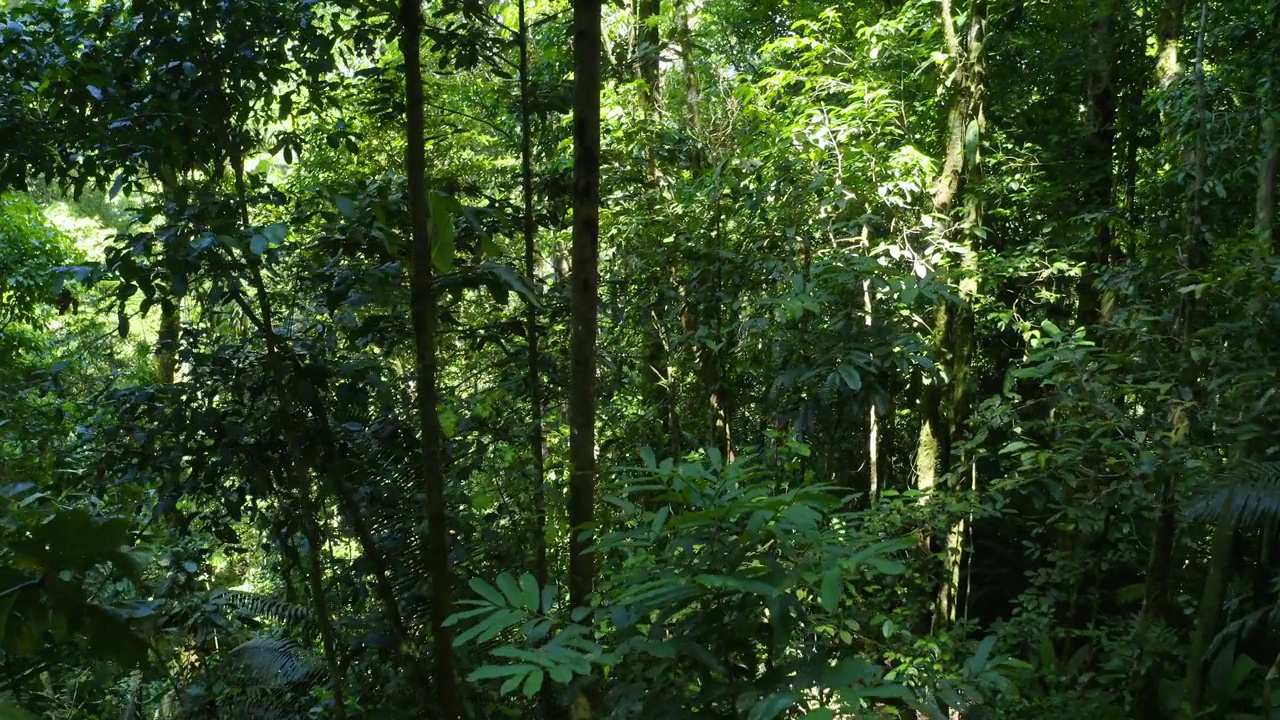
{"x": 749, "y": 359}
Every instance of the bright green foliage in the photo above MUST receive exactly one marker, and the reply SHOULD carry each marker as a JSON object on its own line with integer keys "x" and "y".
{"x": 945, "y": 332}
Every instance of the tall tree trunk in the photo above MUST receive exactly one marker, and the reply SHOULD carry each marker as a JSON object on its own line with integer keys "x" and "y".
{"x": 1209, "y": 612}
{"x": 649, "y": 49}
{"x": 319, "y": 599}
{"x": 1156, "y": 587}
{"x": 945, "y": 410}
{"x": 658, "y": 390}
{"x": 1099, "y": 148}
{"x": 425, "y": 321}
{"x": 1265, "y": 211}
{"x": 584, "y": 296}
{"x": 873, "y": 417}
{"x": 537, "y": 443}
{"x": 692, "y": 88}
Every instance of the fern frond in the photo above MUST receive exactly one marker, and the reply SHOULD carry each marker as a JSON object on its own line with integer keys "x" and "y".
{"x": 269, "y": 661}
{"x": 1251, "y": 495}
{"x": 261, "y": 606}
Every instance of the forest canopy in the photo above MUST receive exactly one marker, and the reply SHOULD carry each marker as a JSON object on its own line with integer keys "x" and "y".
{"x": 759, "y": 360}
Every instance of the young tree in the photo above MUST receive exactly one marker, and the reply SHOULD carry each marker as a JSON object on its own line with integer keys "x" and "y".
{"x": 584, "y": 295}
{"x": 425, "y": 323}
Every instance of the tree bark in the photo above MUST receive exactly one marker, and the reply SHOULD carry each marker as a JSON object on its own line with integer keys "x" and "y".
{"x": 944, "y": 414}
{"x": 649, "y": 48}
{"x": 537, "y": 443}
{"x": 1099, "y": 148}
{"x": 584, "y": 296}
{"x": 1209, "y": 611}
{"x": 425, "y": 322}
{"x": 1265, "y": 211}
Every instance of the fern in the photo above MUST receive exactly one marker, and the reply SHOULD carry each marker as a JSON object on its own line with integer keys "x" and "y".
{"x": 261, "y": 606}
{"x": 1251, "y": 495}
{"x": 269, "y": 661}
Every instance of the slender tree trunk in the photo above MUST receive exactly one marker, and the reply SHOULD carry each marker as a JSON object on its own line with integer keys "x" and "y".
{"x": 537, "y": 442}
{"x": 425, "y": 321}
{"x": 320, "y": 599}
{"x": 1209, "y": 612}
{"x": 873, "y": 417}
{"x": 584, "y": 296}
{"x": 1099, "y": 148}
{"x": 945, "y": 413}
{"x": 658, "y": 390}
{"x": 692, "y": 88}
{"x": 1156, "y": 589}
{"x": 649, "y": 49}
{"x": 1265, "y": 212}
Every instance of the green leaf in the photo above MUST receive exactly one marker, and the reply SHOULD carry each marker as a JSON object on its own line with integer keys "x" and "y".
{"x": 851, "y": 377}
{"x": 444, "y": 208}
{"x": 511, "y": 589}
{"x": 491, "y": 672}
{"x": 659, "y": 518}
{"x": 457, "y": 617}
{"x": 978, "y": 662}
{"x": 548, "y": 598}
{"x": 487, "y": 591}
{"x": 259, "y": 244}
{"x": 887, "y": 566}
{"x": 346, "y": 206}
{"x": 831, "y": 590}
{"x": 529, "y": 589}
{"x": 820, "y": 714}
{"x": 533, "y": 683}
{"x": 773, "y": 705}
{"x": 511, "y": 684}
{"x": 560, "y": 674}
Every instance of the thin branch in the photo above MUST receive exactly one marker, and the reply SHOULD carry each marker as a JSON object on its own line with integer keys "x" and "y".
{"x": 21, "y": 586}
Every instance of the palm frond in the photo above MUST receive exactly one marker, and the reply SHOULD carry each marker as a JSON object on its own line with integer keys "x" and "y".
{"x": 1250, "y": 495}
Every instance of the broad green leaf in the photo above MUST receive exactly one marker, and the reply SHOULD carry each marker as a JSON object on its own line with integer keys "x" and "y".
{"x": 820, "y": 714}
{"x": 529, "y": 591}
{"x": 773, "y": 705}
{"x": 491, "y": 672}
{"x": 978, "y": 662}
{"x": 346, "y": 206}
{"x": 886, "y": 566}
{"x": 444, "y": 208}
{"x": 851, "y": 377}
{"x": 832, "y": 588}
{"x": 533, "y": 683}
{"x": 659, "y": 518}
{"x": 511, "y": 684}
{"x": 511, "y": 589}
{"x": 487, "y": 591}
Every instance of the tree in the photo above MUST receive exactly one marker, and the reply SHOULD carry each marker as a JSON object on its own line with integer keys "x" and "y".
{"x": 425, "y": 323}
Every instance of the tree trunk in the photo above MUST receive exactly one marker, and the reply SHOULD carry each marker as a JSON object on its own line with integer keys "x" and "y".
{"x": 1156, "y": 588}
{"x": 649, "y": 49}
{"x": 873, "y": 417}
{"x": 320, "y": 600}
{"x": 1265, "y": 212}
{"x": 425, "y": 321}
{"x": 945, "y": 413}
{"x": 1099, "y": 148}
{"x": 1209, "y": 612}
{"x": 584, "y": 296}
{"x": 537, "y": 444}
